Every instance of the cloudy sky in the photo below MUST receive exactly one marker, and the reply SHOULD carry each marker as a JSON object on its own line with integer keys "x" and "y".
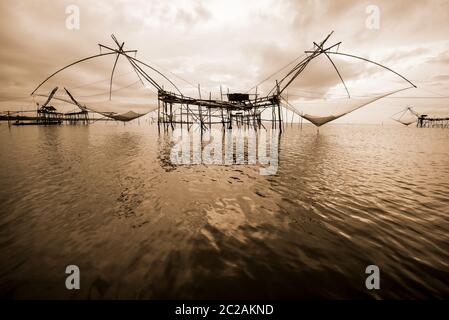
{"x": 236, "y": 44}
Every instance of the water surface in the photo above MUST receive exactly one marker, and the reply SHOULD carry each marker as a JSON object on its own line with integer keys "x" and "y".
{"x": 106, "y": 198}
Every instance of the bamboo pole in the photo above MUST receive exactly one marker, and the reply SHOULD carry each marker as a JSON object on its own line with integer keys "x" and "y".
{"x": 279, "y": 106}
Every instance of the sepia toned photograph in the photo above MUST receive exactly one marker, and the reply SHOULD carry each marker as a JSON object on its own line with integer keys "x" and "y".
{"x": 209, "y": 150}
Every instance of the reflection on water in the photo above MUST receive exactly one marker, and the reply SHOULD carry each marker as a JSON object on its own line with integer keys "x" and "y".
{"x": 107, "y": 198}
{"x": 220, "y": 146}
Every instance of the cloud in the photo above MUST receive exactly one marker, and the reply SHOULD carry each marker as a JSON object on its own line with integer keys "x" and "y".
{"x": 234, "y": 44}
{"x": 199, "y": 13}
{"x": 440, "y": 59}
{"x": 441, "y": 77}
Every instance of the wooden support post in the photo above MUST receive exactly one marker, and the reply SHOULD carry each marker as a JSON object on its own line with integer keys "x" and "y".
{"x": 180, "y": 114}
{"x": 200, "y": 111}
{"x": 210, "y": 116}
{"x": 158, "y": 113}
{"x": 165, "y": 115}
{"x": 279, "y": 106}
{"x": 222, "y": 113}
{"x": 187, "y": 109}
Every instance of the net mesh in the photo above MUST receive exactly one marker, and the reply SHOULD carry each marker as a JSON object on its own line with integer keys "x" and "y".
{"x": 405, "y": 117}
{"x": 323, "y": 111}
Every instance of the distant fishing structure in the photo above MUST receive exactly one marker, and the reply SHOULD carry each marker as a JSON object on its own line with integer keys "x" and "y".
{"x": 406, "y": 116}
{"x": 232, "y": 109}
{"x": 424, "y": 121}
{"x": 47, "y": 114}
{"x": 409, "y": 116}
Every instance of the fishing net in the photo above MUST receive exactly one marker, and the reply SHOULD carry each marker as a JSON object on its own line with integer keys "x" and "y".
{"x": 119, "y": 106}
{"x": 320, "y": 112}
{"x": 122, "y": 108}
{"x": 125, "y": 96}
{"x": 405, "y": 117}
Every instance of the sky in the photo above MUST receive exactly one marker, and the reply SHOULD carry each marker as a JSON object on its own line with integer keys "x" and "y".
{"x": 235, "y": 44}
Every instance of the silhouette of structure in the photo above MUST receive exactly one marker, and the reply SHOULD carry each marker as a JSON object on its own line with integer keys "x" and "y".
{"x": 422, "y": 120}
{"x": 48, "y": 115}
{"x": 406, "y": 116}
{"x": 232, "y": 109}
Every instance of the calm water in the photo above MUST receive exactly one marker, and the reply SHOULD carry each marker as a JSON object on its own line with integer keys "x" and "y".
{"x": 106, "y": 198}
